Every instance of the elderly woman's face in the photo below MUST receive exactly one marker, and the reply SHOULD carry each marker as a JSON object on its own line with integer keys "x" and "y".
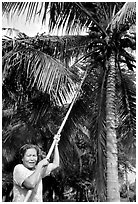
{"x": 30, "y": 158}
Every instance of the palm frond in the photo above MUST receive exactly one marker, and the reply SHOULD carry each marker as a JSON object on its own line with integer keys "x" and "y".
{"x": 68, "y": 16}
{"x": 98, "y": 133}
{"x": 126, "y": 17}
{"x": 41, "y": 68}
{"x": 47, "y": 73}
{"x": 127, "y": 110}
{"x": 67, "y": 48}
{"x": 61, "y": 13}
{"x": 32, "y": 9}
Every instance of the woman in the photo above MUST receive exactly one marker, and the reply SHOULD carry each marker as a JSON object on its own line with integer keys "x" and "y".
{"x": 29, "y": 174}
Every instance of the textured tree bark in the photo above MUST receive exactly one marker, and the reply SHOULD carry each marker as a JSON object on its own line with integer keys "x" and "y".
{"x": 113, "y": 194}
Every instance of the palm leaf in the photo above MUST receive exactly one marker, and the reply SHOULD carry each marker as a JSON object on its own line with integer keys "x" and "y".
{"x": 67, "y": 16}
{"x": 46, "y": 73}
{"x": 127, "y": 113}
{"x": 35, "y": 10}
{"x": 42, "y": 70}
{"x": 32, "y": 9}
{"x": 67, "y": 48}
{"x": 125, "y": 17}
{"x": 98, "y": 133}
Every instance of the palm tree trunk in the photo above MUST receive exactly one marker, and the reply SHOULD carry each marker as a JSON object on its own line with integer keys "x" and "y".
{"x": 112, "y": 163}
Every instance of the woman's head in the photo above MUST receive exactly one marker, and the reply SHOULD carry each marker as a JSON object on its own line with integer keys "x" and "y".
{"x": 29, "y": 155}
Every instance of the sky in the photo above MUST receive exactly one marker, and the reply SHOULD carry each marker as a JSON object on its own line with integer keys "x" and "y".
{"x": 19, "y": 23}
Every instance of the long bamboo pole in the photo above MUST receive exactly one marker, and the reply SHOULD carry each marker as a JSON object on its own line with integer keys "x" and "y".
{"x": 59, "y": 131}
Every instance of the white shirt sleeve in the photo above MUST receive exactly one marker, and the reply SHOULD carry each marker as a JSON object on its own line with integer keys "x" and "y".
{"x": 20, "y": 173}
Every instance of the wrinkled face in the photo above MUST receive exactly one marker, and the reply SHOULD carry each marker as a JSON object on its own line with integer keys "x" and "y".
{"x": 30, "y": 158}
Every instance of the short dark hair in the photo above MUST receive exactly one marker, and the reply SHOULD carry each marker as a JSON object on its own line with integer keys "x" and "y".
{"x": 25, "y": 147}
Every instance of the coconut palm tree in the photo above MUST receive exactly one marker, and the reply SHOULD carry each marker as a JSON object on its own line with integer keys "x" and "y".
{"x": 107, "y": 51}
